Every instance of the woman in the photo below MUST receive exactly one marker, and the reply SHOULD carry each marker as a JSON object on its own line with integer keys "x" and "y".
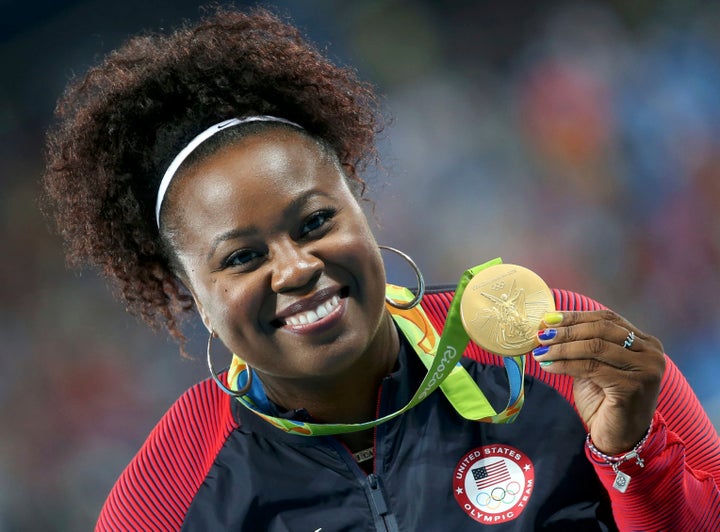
{"x": 217, "y": 169}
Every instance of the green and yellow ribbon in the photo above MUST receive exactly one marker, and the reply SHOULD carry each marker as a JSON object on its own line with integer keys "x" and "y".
{"x": 440, "y": 354}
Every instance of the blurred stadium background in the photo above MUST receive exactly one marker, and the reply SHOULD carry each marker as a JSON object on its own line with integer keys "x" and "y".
{"x": 581, "y": 139}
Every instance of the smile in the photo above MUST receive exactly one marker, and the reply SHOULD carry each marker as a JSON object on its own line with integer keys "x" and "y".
{"x": 313, "y": 315}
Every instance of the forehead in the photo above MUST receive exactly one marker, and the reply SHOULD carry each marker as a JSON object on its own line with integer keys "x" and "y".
{"x": 244, "y": 151}
{"x": 251, "y": 176}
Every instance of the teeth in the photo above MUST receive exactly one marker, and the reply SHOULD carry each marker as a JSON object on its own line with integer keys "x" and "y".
{"x": 311, "y": 316}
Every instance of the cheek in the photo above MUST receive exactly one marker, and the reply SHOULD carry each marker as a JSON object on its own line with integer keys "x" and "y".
{"x": 228, "y": 306}
{"x": 367, "y": 260}
{"x": 358, "y": 245}
{"x": 232, "y": 325}
{"x": 371, "y": 255}
{"x": 234, "y": 302}
{"x": 366, "y": 249}
{"x": 375, "y": 265}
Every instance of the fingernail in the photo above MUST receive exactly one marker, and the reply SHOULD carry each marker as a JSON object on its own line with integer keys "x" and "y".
{"x": 546, "y": 363}
{"x": 553, "y": 318}
{"x": 547, "y": 334}
{"x": 540, "y": 350}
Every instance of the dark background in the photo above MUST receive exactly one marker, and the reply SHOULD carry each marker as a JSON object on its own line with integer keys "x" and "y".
{"x": 579, "y": 139}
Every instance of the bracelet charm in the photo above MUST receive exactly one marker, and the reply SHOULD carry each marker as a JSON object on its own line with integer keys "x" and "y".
{"x": 622, "y": 480}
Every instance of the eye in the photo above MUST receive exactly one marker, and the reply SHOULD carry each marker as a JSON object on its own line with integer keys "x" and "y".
{"x": 242, "y": 258}
{"x": 317, "y": 221}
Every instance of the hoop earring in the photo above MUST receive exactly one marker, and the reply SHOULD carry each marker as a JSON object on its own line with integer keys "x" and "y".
{"x": 420, "y": 282}
{"x": 245, "y": 389}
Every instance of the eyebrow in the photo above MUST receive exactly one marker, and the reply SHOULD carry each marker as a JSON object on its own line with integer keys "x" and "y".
{"x": 232, "y": 234}
{"x": 241, "y": 232}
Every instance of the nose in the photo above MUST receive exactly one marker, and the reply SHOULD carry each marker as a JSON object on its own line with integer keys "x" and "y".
{"x": 294, "y": 267}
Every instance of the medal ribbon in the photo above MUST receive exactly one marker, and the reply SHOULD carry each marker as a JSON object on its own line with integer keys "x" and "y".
{"x": 440, "y": 354}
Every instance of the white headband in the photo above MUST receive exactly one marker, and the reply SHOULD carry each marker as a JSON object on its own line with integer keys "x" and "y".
{"x": 194, "y": 143}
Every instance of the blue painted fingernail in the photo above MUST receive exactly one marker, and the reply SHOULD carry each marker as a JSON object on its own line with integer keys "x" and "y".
{"x": 547, "y": 334}
{"x": 540, "y": 350}
{"x": 546, "y": 363}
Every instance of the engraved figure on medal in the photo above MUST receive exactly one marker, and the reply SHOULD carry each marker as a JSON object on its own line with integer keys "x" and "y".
{"x": 515, "y": 316}
{"x": 502, "y": 308}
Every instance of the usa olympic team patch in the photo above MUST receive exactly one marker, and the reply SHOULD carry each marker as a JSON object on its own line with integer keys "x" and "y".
{"x": 493, "y": 483}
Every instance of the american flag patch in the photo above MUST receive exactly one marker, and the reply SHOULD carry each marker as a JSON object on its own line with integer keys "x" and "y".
{"x": 491, "y": 474}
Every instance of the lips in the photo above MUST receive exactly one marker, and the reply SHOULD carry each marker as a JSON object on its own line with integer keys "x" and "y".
{"x": 310, "y": 310}
{"x": 313, "y": 315}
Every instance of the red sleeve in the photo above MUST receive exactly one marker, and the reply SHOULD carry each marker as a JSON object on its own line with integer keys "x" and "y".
{"x": 157, "y": 487}
{"x": 678, "y": 487}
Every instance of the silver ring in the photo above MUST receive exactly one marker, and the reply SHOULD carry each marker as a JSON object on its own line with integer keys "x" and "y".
{"x": 629, "y": 340}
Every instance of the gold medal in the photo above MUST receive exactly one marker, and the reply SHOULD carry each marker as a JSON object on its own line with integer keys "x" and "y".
{"x": 502, "y": 308}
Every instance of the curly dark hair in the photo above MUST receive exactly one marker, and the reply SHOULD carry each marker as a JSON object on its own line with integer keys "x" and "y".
{"x": 121, "y": 124}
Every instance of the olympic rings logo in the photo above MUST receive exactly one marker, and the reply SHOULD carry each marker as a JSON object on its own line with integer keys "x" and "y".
{"x": 498, "y": 496}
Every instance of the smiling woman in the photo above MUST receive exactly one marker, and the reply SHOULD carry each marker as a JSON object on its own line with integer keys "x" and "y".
{"x": 216, "y": 169}
{"x": 282, "y": 265}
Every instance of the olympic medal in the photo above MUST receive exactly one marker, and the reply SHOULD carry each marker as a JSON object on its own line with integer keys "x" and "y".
{"x": 502, "y": 309}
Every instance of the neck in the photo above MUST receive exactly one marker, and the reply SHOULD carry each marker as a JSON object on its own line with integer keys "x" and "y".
{"x": 350, "y": 397}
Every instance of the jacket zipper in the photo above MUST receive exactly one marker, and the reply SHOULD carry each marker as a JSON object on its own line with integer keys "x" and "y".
{"x": 379, "y": 505}
{"x": 384, "y": 519}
